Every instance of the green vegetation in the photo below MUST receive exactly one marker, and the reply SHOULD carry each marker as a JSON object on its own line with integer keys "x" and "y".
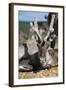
{"x": 24, "y": 27}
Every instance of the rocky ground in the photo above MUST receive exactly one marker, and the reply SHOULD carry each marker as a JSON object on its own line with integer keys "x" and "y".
{"x": 52, "y": 72}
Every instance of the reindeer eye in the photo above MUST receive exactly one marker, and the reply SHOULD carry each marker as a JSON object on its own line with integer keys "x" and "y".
{"x": 42, "y": 43}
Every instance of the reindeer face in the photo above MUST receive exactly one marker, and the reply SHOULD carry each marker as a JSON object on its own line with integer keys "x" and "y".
{"x": 43, "y": 49}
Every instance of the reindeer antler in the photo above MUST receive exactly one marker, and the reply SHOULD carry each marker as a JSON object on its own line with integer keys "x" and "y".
{"x": 35, "y": 28}
{"x": 51, "y": 29}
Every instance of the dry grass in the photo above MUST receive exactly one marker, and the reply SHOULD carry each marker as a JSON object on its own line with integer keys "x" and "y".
{"x": 52, "y": 72}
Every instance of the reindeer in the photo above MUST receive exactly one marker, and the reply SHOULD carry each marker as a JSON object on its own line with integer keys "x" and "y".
{"x": 46, "y": 45}
{"x": 45, "y": 55}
